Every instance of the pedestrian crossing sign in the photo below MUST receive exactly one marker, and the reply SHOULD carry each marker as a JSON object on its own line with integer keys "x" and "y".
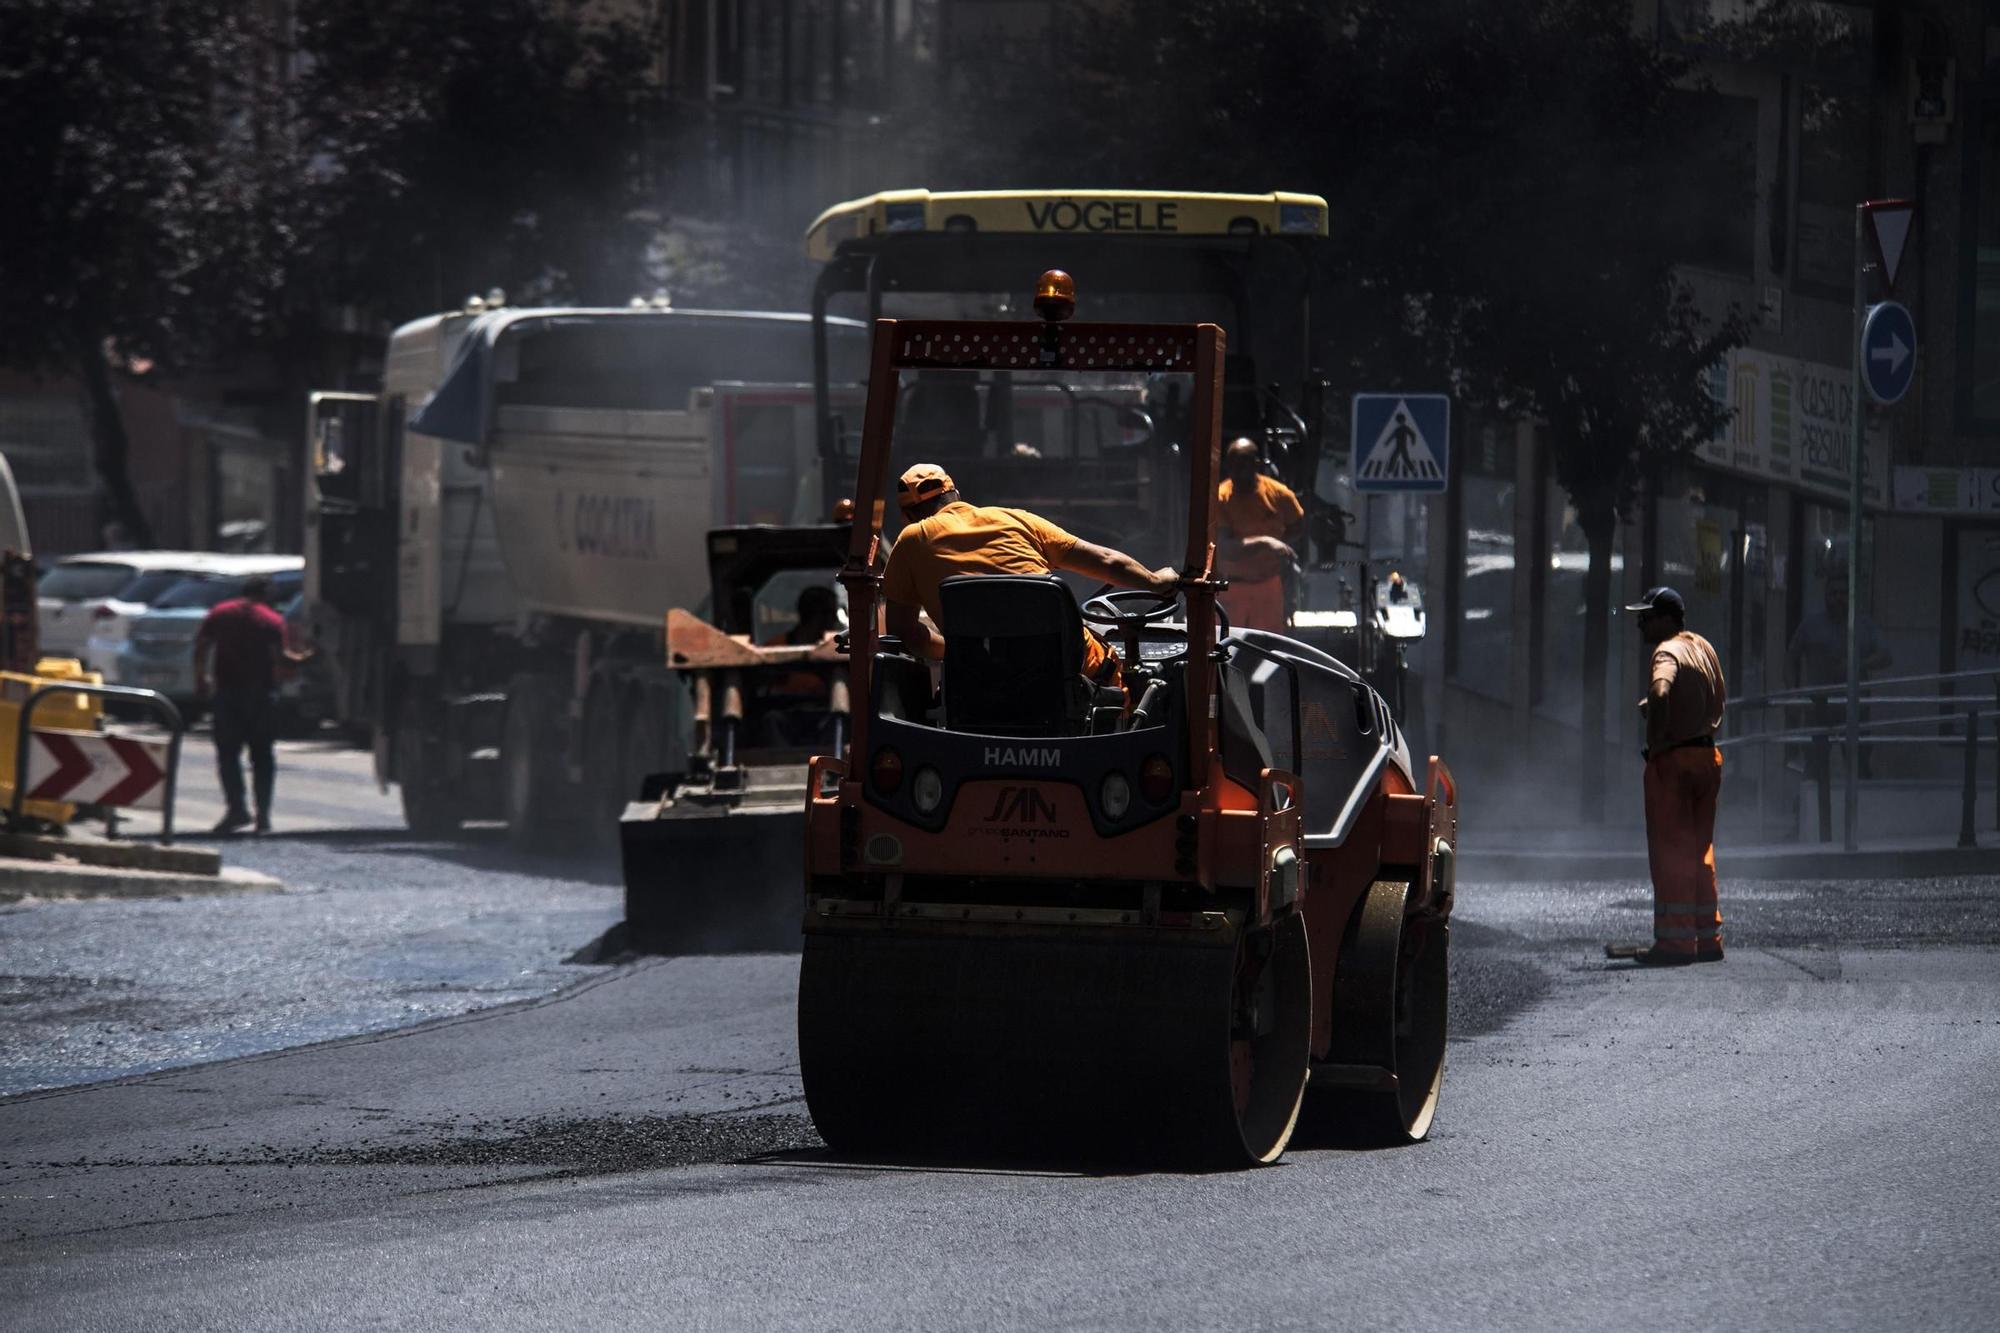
{"x": 1401, "y": 441}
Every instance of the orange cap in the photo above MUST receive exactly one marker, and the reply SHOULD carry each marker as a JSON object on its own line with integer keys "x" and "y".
{"x": 921, "y": 482}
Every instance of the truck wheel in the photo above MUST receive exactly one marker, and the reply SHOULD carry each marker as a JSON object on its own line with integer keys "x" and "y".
{"x": 653, "y": 745}
{"x": 533, "y": 799}
{"x": 608, "y": 736}
{"x": 1389, "y": 1014}
{"x": 429, "y": 809}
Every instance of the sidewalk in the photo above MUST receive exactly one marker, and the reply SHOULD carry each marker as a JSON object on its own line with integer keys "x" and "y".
{"x": 21, "y": 877}
{"x": 79, "y": 863}
{"x": 1516, "y": 854}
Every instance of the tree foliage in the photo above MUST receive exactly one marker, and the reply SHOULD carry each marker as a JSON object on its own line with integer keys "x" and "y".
{"x": 193, "y": 189}
{"x": 457, "y": 145}
{"x": 142, "y": 217}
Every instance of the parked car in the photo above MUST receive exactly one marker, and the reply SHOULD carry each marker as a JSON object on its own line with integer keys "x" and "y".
{"x": 159, "y": 649}
{"x": 83, "y": 595}
{"x": 111, "y": 623}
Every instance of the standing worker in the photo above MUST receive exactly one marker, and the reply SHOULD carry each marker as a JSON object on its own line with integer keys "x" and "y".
{"x": 1683, "y": 711}
{"x": 946, "y": 536}
{"x": 246, "y": 636}
{"x": 1262, "y": 524}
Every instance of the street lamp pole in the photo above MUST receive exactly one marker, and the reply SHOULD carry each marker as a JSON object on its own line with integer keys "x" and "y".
{"x": 1851, "y": 796}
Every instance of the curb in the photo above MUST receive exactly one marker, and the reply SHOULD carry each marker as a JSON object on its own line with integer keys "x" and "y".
{"x": 120, "y": 855}
{"x": 49, "y": 879}
{"x": 1905, "y": 863}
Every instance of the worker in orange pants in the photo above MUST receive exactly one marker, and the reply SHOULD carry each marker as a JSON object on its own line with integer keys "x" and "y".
{"x": 1681, "y": 787}
{"x": 1262, "y": 524}
{"x": 1255, "y": 604}
{"x": 1683, "y": 708}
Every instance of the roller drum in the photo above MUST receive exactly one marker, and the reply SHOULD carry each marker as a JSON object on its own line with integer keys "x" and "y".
{"x": 1050, "y": 1046}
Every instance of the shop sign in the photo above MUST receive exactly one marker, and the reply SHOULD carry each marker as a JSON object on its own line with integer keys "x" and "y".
{"x": 1792, "y": 421}
{"x": 1948, "y": 490}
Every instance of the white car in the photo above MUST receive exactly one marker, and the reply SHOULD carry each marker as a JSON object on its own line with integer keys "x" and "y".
{"x": 83, "y": 603}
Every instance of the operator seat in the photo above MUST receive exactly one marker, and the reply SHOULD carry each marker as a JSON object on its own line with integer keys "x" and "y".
{"x": 1012, "y": 646}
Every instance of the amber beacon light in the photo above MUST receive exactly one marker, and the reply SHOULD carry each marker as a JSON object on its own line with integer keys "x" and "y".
{"x": 1055, "y": 295}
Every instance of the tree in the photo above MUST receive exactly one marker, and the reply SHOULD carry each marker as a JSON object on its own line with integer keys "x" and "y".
{"x": 141, "y": 220}
{"x": 459, "y": 145}
{"x": 1511, "y": 186}
{"x": 1561, "y": 297}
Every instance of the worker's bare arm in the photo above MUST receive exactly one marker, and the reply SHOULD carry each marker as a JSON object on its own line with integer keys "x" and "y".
{"x": 1278, "y": 546}
{"x": 1655, "y": 703}
{"x": 1101, "y": 562}
{"x": 906, "y": 623}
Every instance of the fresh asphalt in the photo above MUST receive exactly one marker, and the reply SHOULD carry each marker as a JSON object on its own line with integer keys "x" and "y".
{"x": 1803, "y": 1136}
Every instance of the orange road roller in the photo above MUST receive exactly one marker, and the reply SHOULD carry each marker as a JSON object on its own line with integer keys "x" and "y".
{"x": 1163, "y": 923}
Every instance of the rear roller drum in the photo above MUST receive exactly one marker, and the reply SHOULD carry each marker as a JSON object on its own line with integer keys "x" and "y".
{"x": 1390, "y": 1000}
{"x": 1056, "y": 1048}
{"x": 1270, "y": 1041}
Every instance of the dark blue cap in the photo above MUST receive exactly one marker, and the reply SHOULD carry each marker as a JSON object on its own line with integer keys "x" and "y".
{"x": 1662, "y": 599}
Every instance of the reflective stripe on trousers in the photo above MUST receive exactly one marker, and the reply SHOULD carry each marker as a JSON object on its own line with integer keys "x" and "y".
{"x": 1681, "y": 788}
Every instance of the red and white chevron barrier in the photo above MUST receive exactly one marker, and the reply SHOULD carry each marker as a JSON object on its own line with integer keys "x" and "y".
{"x": 89, "y": 768}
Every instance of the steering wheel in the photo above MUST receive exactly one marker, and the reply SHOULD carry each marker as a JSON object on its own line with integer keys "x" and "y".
{"x": 1103, "y": 609}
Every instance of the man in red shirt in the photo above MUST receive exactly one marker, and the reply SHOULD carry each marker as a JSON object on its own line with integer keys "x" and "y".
{"x": 246, "y": 638}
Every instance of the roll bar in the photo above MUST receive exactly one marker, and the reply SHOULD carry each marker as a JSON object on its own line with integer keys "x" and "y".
{"x": 1044, "y": 347}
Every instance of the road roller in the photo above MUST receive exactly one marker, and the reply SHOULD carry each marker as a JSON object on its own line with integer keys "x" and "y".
{"x": 1164, "y": 924}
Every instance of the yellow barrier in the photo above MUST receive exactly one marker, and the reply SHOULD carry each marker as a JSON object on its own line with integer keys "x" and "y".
{"x": 57, "y": 712}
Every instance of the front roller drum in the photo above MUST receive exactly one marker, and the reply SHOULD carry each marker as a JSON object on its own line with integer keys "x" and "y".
{"x": 1391, "y": 994}
{"x": 1051, "y": 1047}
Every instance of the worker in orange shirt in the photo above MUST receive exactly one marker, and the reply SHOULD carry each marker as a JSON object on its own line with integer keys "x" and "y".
{"x": 1683, "y": 706}
{"x": 818, "y": 609}
{"x": 944, "y": 535}
{"x": 1262, "y": 524}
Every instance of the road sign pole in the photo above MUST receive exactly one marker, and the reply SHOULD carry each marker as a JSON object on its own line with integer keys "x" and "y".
{"x": 1851, "y": 796}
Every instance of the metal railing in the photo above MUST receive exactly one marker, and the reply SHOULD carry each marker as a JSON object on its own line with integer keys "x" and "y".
{"x": 1954, "y": 719}
{"x": 153, "y": 699}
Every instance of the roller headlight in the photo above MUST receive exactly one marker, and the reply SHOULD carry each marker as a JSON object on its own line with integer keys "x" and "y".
{"x": 1115, "y": 796}
{"x": 926, "y": 790}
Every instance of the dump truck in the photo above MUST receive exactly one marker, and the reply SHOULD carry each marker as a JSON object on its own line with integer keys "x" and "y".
{"x": 494, "y": 538}
{"x": 1164, "y": 926}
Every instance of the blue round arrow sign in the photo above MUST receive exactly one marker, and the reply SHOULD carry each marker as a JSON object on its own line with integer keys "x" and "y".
{"x": 1888, "y": 352}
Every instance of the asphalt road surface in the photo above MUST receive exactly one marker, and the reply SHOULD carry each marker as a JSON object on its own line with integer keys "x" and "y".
{"x": 1803, "y": 1136}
